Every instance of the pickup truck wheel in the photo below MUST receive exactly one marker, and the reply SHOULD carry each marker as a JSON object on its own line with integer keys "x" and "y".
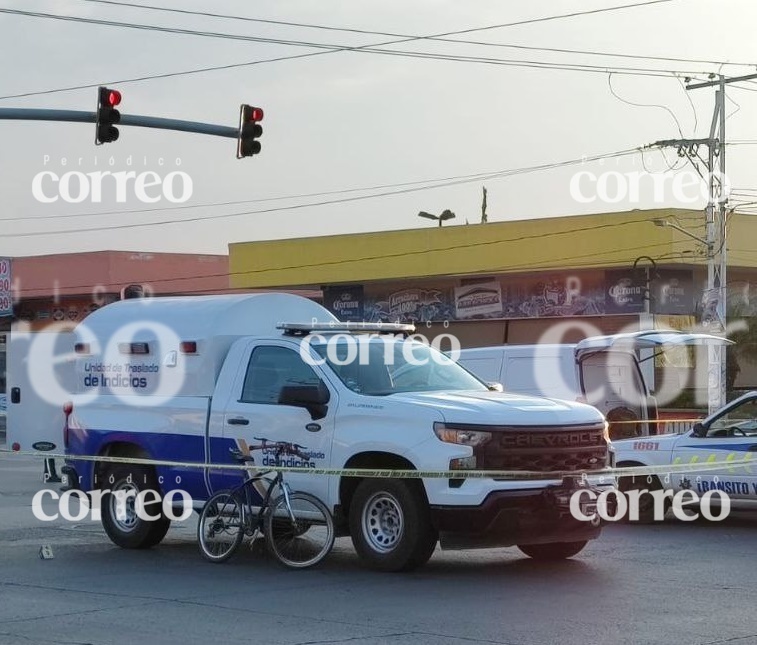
{"x": 390, "y": 524}
{"x": 556, "y": 551}
{"x": 130, "y": 531}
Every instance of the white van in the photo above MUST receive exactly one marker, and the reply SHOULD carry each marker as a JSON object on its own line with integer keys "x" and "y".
{"x": 189, "y": 379}
{"x": 547, "y": 370}
{"x": 605, "y": 371}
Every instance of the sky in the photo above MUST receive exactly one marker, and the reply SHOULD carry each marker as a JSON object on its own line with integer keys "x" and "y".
{"x": 340, "y": 124}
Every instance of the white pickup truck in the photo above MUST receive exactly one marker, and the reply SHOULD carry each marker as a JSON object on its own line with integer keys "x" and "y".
{"x": 188, "y": 379}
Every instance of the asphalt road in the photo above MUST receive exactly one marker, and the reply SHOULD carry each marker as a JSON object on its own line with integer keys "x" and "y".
{"x": 670, "y": 584}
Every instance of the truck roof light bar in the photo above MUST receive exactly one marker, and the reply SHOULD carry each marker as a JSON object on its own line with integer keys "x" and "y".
{"x": 303, "y": 329}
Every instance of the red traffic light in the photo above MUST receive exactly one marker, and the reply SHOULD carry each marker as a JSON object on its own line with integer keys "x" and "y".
{"x": 107, "y": 115}
{"x": 249, "y": 114}
{"x": 249, "y": 130}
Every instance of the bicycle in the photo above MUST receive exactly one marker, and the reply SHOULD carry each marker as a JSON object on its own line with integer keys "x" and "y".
{"x": 298, "y": 527}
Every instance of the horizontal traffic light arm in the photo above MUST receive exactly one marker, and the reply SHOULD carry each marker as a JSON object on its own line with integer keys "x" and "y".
{"x": 135, "y": 120}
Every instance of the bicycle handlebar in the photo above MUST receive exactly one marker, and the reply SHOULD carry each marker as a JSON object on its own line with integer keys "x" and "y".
{"x": 279, "y": 447}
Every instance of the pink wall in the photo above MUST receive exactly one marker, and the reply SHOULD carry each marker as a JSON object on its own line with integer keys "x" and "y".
{"x": 80, "y": 273}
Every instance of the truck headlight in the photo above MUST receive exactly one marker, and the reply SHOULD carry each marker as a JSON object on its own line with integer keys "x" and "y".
{"x": 461, "y": 436}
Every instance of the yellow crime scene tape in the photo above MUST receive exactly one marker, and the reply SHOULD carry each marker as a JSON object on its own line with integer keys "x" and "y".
{"x": 659, "y": 421}
{"x": 391, "y": 473}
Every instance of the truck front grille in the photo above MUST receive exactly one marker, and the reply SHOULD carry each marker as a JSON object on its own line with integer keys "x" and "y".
{"x": 571, "y": 449}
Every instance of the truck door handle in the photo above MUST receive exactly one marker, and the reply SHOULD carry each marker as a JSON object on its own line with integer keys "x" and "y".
{"x": 752, "y": 448}
{"x": 238, "y": 421}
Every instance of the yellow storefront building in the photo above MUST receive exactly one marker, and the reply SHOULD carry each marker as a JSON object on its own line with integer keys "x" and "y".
{"x": 510, "y": 282}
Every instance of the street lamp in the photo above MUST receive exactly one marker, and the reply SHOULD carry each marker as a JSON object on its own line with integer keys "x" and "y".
{"x": 446, "y": 214}
{"x": 664, "y": 223}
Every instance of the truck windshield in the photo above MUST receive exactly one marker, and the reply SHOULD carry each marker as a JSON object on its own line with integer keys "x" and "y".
{"x": 383, "y": 366}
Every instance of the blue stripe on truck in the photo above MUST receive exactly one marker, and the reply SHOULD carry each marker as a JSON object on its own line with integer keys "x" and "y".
{"x": 159, "y": 446}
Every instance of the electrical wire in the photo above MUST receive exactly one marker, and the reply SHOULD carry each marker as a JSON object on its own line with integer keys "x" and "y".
{"x": 591, "y": 262}
{"x": 207, "y": 14}
{"x": 741, "y": 87}
{"x": 390, "y": 256}
{"x": 370, "y": 48}
{"x": 455, "y": 182}
{"x": 676, "y": 166}
{"x": 646, "y": 105}
{"x": 343, "y": 191}
{"x": 691, "y": 103}
{"x": 738, "y": 107}
{"x": 593, "y": 69}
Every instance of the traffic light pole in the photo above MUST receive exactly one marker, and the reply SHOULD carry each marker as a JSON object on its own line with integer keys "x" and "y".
{"x": 135, "y": 120}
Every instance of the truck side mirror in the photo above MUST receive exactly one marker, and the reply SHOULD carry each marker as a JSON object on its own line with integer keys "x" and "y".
{"x": 314, "y": 398}
{"x": 495, "y": 387}
{"x": 699, "y": 429}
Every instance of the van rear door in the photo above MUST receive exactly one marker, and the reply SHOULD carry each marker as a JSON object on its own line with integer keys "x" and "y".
{"x": 611, "y": 379}
{"x": 40, "y": 380}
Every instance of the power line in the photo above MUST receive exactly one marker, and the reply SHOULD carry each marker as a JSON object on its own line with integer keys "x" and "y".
{"x": 736, "y": 86}
{"x": 655, "y": 73}
{"x": 693, "y": 108}
{"x": 649, "y": 105}
{"x": 596, "y": 69}
{"x": 465, "y": 180}
{"x": 367, "y": 49}
{"x": 371, "y": 32}
{"x": 474, "y": 176}
{"x": 424, "y": 183}
{"x": 399, "y": 254}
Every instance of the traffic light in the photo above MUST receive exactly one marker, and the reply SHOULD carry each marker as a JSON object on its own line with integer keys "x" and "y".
{"x": 107, "y": 115}
{"x": 249, "y": 131}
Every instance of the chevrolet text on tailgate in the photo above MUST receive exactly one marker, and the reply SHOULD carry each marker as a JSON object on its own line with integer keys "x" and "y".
{"x": 188, "y": 380}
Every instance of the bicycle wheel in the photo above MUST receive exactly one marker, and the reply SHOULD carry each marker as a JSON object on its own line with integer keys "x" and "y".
{"x": 221, "y": 527}
{"x": 306, "y": 540}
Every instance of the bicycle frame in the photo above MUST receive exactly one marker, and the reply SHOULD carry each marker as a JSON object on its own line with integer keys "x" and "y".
{"x": 247, "y": 507}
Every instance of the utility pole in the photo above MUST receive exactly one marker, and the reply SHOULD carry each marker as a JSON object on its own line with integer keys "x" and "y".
{"x": 646, "y": 319}
{"x": 714, "y": 301}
